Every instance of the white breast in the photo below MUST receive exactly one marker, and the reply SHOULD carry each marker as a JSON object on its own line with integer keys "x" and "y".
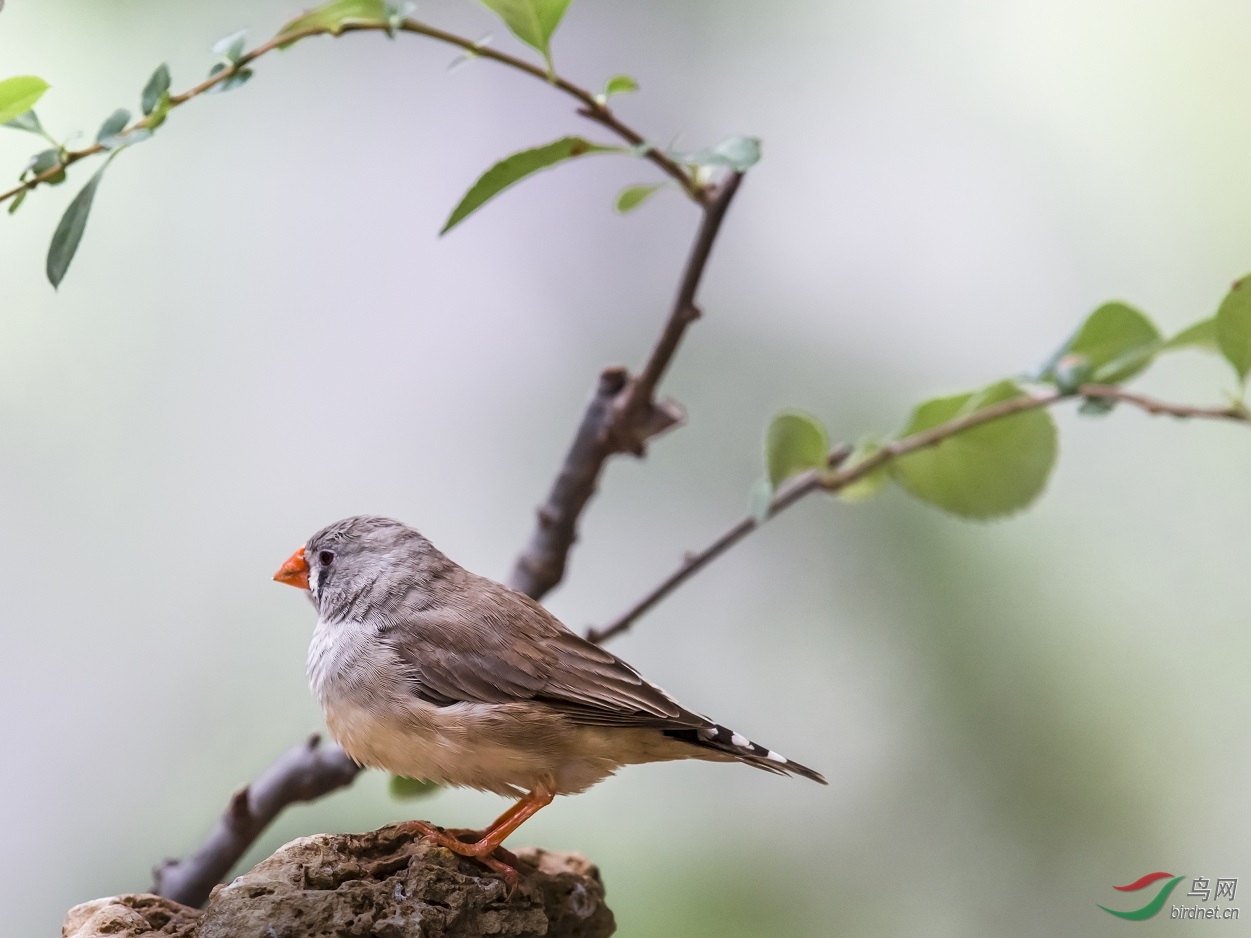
{"x": 348, "y": 663}
{"x": 326, "y": 658}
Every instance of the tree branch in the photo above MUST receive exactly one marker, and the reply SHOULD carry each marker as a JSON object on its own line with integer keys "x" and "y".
{"x": 588, "y": 105}
{"x": 620, "y": 418}
{"x": 835, "y": 479}
{"x": 304, "y": 773}
{"x": 632, "y": 420}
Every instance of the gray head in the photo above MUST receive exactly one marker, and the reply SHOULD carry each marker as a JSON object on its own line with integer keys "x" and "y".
{"x": 360, "y": 563}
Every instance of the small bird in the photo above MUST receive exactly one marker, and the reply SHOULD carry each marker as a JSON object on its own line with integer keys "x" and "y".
{"x": 428, "y": 671}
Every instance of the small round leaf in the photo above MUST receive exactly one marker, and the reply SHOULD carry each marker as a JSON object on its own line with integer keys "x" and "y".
{"x": 794, "y": 443}
{"x": 760, "y": 499}
{"x": 619, "y": 84}
{"x": 867, "y": 486}
{"x": 404, "y": 788}
{"x": 113, "y": 125}
{"x": 1115, "y": 343}
{"x": 1233, "y": 327}
{"x": 156, "y": 88}
{"x": 1202, "y": 335}
{"x": 992, "y": 469}
{"x": 632, "y": 197}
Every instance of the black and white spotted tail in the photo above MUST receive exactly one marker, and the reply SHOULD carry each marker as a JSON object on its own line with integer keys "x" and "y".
{"x": 717, "y": 737}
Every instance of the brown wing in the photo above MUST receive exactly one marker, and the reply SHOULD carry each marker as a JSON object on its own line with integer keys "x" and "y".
{"x": 500, "y": 646}
{"x": 483, "y": 643}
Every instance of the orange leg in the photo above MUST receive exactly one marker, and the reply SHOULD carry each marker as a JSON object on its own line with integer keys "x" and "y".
{"x": 468, "y": 835}
{"x": 493, "y": 836}
{"x": 503, "y": 818}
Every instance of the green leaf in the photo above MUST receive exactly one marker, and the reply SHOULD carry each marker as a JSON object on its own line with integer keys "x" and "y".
{"x": 990, "y": 470}
{"x": 1202, "y": 335}
{"x": 632, "y": 197}
{"x": 404, "y": 788}
{"x": 737, "y": 153}
{"x": 759, "y": 499}
{"x": 69, "y": 232}
{"x": 18, "y": 200}
{"x": 794, "y": 443}
{"x": 1115, "y": 343}
{"x": 237, "y": 80}
{"x": 18, "y": 95}
{"x": 28, "y": 122}
{"x": 619, "y": 84}
{"x": 1233, "y": 327}
{"x": 156, "y": 89}
{"x": 113, "y": 125}
{"x": 43, "y": 161}
{"x": 1096, "y": 406}
{"x": 1070, "y": 373}
{"x": 231, "y": 47}
{"x": 531, "y": 21}
{"x": 332, "y": 17}
{"x": 158, "y": 113}
{"x": 514, "y": 168}
{"x": 867, "y": 486}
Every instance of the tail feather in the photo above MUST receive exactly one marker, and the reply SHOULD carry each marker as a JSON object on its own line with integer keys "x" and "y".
{"x": 718, "y": 738}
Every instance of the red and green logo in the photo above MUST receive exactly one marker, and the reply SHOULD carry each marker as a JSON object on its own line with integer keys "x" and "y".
{"x": 1152, "y": 907}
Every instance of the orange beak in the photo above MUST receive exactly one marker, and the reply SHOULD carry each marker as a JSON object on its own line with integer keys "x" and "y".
{"x": 295, "y": 571}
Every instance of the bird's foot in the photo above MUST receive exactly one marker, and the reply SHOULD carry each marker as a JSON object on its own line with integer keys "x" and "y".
{"x": 507, "y": 873}
{"x": 471, "y": 844}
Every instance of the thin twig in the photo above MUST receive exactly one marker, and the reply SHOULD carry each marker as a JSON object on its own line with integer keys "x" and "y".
{"x": 304, "y": 773}
{"x": 640, "y": 392}
{"x": 620, "y": 418}
{"x": 591, "y": 107}
{"x": 588, "y": 105}
{"x": 844, "y": 475}
{"x": 792, "y": 491}
{"x": 1152, "y": 406}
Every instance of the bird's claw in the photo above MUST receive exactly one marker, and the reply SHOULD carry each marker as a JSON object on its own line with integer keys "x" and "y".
{"x": 468, "y": 843}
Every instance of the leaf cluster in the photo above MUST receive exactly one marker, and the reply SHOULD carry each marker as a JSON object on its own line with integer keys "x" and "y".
{"x": 992, "y": 468}
{"x": 534, "y": 22}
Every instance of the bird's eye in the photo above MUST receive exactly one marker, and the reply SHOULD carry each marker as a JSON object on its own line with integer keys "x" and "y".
{"x": 325, "y": 558}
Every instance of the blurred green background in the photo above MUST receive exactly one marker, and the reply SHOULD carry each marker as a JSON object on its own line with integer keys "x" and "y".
{"x": 262, "y": 333}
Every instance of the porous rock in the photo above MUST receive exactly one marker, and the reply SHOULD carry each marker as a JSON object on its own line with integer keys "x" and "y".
{"x": 384, "y": 884}
{"x": 138, "y": 914}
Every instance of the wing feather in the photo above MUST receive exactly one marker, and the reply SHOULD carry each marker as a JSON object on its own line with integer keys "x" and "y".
{"x": 503, "y": 647}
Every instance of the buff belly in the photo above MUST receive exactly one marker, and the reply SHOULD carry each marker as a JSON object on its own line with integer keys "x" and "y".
{"x": 504, "y": 748}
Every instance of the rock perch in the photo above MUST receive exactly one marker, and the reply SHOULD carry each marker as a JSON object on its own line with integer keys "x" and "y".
{"x": 384, "y": 884}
